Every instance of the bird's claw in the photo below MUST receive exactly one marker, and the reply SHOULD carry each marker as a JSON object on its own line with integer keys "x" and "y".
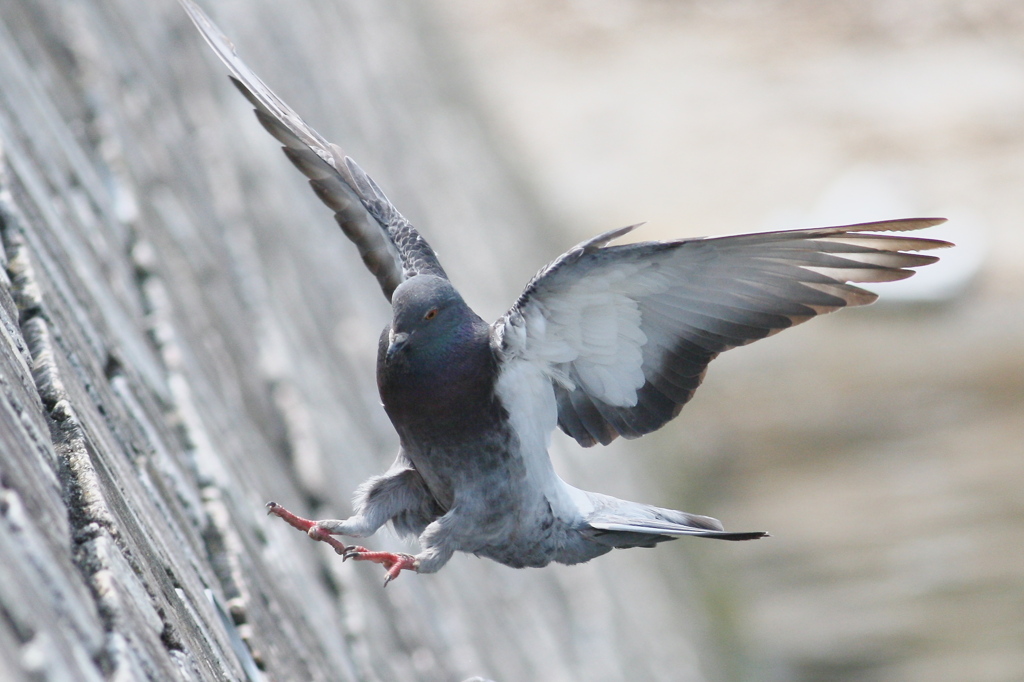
{"x": 351, "y": 551}
{"x": 392, "y": 562}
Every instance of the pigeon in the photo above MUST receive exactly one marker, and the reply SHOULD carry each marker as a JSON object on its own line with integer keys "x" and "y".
{"x": 605, "y": 341}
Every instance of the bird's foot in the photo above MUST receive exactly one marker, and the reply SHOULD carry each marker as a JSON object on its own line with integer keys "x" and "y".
{"x": 307, "y": 526}
{"x": 392, "y": 563}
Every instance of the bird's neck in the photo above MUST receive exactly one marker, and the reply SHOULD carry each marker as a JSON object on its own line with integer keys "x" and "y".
{"x": 447, "y": 388}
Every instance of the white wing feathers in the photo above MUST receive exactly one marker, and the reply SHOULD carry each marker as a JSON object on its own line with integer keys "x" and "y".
{"x": 595, "y": 325}
{"x": 626, "y": 332}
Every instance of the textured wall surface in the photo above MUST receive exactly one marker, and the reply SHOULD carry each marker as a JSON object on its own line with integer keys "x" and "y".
{"x": 184, "y": 334}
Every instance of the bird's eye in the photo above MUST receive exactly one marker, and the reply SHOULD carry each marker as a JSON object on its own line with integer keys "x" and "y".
{"x": 431, "y": 314}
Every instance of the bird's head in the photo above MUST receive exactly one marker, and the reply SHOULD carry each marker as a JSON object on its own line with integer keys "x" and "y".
{"x": 430, "y": 318}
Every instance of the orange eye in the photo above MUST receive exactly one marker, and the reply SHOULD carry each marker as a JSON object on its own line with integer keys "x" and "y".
{"x": 431, "y": 314}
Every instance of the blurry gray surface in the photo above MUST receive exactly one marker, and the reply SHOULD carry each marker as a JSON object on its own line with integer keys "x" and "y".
{"x": 185, "y": 334}
{"x": 883, "y": 448}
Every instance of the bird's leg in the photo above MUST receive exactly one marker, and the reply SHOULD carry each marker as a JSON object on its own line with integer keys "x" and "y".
{"x": 307, "y": 526}
{"x": 378, "y": 500}
{"x": 438, "y": 546}
{"x": 393, "y": 563}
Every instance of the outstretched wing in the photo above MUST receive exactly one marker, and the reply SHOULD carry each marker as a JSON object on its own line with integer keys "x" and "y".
{"x": 391, "y": 249}
{"x": 626, "y": 332}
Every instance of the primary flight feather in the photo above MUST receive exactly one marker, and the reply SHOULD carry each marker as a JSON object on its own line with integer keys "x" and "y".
{"x": 605, "y": 341}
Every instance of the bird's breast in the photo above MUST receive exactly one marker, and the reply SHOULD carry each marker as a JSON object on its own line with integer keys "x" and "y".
{"x": 441, "y": 398}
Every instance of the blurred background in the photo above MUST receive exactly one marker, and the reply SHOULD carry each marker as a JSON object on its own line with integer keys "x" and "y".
{"x": 883, "y": 447}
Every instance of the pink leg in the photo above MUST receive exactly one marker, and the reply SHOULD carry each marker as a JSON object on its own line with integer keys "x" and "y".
{"x": 393, "y": 563}
{"x": 306, "y": 526}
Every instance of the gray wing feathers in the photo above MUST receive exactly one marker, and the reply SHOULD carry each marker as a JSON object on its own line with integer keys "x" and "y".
{"x": 376, "y": 250}
{"x": 628, "y": 331}
{"x": 392, "y": 250}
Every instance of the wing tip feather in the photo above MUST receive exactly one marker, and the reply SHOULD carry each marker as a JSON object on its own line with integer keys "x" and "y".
{"x": 897, "y": 225}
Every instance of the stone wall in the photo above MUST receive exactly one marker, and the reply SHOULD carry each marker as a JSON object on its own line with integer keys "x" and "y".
{"x": 185, "y": 334}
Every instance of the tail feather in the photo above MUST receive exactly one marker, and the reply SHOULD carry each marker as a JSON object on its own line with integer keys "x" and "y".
{"x": 676, "y": 530}
{"x": 629, "y": 524}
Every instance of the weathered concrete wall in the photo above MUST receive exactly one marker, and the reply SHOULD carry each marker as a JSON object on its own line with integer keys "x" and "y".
{"x": 186, "y": 335}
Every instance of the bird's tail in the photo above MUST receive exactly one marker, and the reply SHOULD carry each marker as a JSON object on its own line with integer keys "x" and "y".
{"x": 674, "y": 530}
{"x": 617, "y": 524}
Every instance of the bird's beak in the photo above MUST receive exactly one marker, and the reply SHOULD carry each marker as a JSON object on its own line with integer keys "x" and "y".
{"x": 396, "y": 342}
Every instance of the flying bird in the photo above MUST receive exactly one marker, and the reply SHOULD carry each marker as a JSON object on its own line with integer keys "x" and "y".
{"x": 605, "y": 341}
